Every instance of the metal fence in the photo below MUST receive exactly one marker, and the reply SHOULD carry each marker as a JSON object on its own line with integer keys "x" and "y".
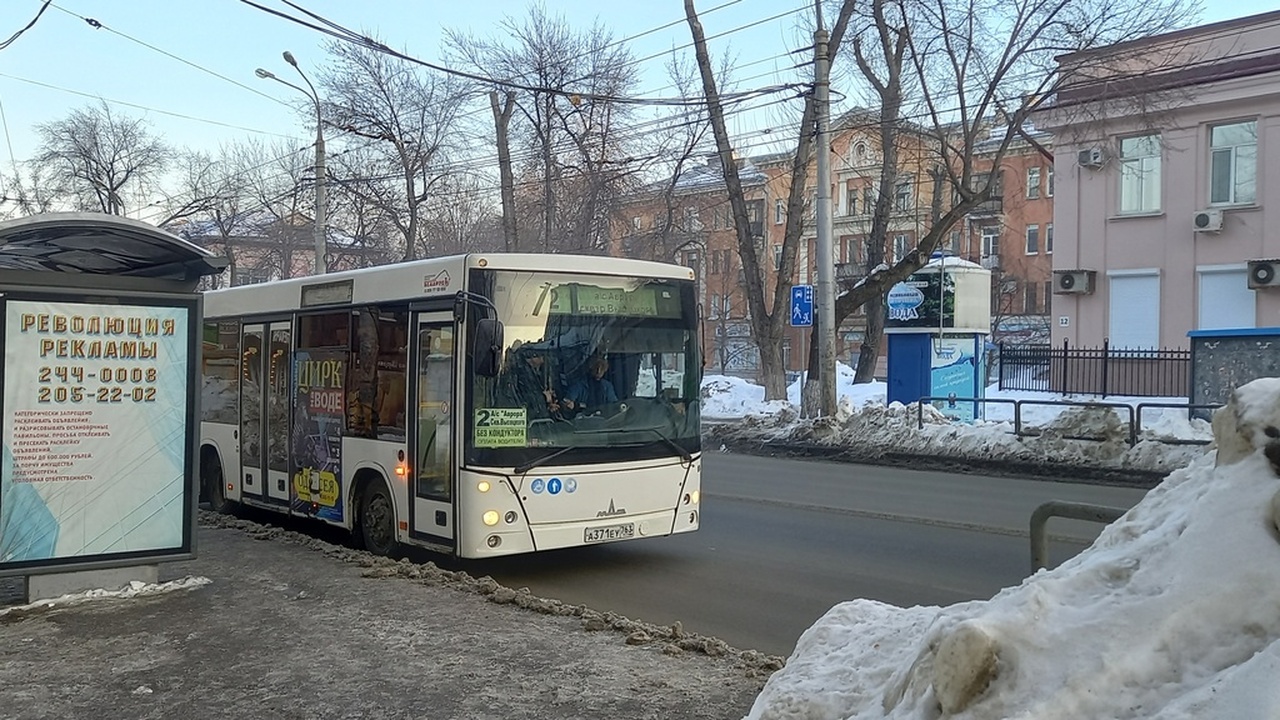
{"x": 1095, "y": 371}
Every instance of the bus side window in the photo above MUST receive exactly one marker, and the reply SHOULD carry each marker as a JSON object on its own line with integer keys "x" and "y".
{"x": 376, "y": 387}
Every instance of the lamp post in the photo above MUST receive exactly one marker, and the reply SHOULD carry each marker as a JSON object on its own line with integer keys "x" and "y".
{"x": 320, "y": 219}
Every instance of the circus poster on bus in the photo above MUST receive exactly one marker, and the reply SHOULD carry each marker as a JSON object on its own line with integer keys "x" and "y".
{"x": 319, "y": 405}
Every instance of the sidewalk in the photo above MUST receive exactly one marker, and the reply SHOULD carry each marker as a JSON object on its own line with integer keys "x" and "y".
{"x": 290, "y": 627}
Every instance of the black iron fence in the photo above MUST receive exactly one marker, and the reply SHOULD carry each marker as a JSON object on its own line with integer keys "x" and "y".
{"x": 1095, "y": 371}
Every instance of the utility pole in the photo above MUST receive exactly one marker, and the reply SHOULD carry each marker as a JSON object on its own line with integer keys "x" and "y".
{"x": 825, "y": 290}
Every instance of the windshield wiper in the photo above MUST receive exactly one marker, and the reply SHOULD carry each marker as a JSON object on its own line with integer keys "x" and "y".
{"x": 684, "y": 453}
{"x": 526, "y": 467}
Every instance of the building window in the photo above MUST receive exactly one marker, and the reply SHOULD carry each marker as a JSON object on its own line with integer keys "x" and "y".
{"x": 777, "y": 257}
{"x": 779, "y": 211}
{"x": 851, "y": 201}
{"x": 1048, "y": 239}
{"x": 1029, "y": 299}
{"x": 1233, "y": 163}
{"x": 728, "y": 305}
{"x": 1048, "y": 296}
{"x": 1048, "y": 191}
{"x": 636, "y": 223}
{"x": 902, "y": 196}
{"x": 1033, "y": 239}
{"x": 1140, "y": 174}
{"x": 953, "y": 242}
{"x": 715, "y": 262}
{"x": 715, "y": 305}
{"x": 868, "y": 201}
{"x": 1033, "y": 183}
{"x": 899, "y": 247}
{"x": 1135, "y": 311}
{"x": 990, "y": 240}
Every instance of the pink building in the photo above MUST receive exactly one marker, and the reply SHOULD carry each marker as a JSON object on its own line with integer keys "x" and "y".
{"x": 1167, "y": 203}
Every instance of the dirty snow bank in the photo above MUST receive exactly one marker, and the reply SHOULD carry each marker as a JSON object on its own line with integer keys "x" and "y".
{"x": 134, "y": 589}
{"x": 1172, "y": 613}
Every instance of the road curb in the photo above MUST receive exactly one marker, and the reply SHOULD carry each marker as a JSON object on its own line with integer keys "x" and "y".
{"x": 1049, "y": 472}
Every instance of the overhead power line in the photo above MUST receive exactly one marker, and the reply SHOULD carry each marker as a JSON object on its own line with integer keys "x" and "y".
{"x": 13, "y": 38}
{"x": 347, "y": 35}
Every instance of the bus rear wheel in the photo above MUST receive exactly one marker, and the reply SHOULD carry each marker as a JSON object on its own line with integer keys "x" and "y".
{"x": 214, "y": 489}
{"x": 378, "y": 520}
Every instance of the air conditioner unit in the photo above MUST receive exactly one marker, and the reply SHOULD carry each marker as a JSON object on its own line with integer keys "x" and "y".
{"x": 1090, "y": 157}
{"x": 1264, "y": 274}
{"x": 1073, "y": 282}
{"x": 1207, "y": 221}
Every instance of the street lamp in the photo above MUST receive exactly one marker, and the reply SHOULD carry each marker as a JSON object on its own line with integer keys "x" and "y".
{"x": 320, "y": 219}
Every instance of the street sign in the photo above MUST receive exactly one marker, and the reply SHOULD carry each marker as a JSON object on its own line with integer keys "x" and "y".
{"x": 801, "y": 305}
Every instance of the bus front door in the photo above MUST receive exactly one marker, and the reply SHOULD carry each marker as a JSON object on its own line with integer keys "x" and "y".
{"x": 433, "y": 478}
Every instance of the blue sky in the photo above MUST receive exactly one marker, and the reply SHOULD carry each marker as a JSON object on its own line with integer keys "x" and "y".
{"x": 228, "y": 37}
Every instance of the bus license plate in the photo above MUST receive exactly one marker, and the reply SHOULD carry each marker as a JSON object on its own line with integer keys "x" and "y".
{"x": 610, "y": 532}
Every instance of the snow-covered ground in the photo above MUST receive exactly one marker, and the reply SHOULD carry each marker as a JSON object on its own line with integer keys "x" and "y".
{"x": 1096, "y": 436}
{"x": 1172, "y": 613}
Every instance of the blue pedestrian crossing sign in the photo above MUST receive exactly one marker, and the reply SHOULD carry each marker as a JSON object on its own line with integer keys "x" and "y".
{"x": 801, "y": 305}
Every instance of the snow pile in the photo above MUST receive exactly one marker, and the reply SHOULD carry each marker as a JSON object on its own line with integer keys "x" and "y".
{"x": 1093, "y": 436}
{"x": 1172, "y": 613}
{"x": 134, "y": 589}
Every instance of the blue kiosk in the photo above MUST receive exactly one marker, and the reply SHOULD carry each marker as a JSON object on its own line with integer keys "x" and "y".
{"x": 937, "y": 328}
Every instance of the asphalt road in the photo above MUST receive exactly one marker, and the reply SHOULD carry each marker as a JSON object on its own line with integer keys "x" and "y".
{"x": 784, "y": 540}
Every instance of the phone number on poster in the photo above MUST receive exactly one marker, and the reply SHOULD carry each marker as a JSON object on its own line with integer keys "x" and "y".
{"x": 55, "y": 384}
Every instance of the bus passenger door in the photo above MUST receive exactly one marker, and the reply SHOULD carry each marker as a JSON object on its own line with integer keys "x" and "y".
{"x": 251, "y": 436}
{"x": 275, "y": 436}
{"x": 432, "y": 474}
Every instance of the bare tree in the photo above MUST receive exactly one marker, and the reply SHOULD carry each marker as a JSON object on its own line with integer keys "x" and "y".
{"x": 565, "y": 86}
{"x": 965, "y": 62}
{"x": 104, "y": 159}
{"x": 768, "y": 321}
{"x": 410, "y": 114}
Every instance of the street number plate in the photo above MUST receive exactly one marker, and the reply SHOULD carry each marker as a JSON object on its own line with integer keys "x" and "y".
{"x": 609, "y": 532}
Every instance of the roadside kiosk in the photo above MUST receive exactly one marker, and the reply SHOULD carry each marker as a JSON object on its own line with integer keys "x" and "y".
{"x": 101, "y": 337}
{"x": 938, "y": 323}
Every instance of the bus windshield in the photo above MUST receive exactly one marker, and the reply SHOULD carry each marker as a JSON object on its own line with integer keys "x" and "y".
{"x": 594, "y": 369}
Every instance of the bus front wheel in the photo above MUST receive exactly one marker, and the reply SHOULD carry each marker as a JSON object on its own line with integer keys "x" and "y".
{"x": 377, "y": 519}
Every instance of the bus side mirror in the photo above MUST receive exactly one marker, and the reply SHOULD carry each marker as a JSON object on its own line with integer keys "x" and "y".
{"x": 488, "y": 347}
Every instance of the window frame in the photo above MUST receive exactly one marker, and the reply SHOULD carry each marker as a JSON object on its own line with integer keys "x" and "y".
{"x": 1032, "y": 239}
{"x": 1033, "y": 182}
{"x": 1233, "y": 166}
{"x": 1150, "y": 170}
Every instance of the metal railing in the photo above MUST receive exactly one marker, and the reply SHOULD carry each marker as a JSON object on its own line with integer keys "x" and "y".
{"x": 1073, "y": 511}
{"x": 1134, "y": 413}
{"x": 1095, "y": 371}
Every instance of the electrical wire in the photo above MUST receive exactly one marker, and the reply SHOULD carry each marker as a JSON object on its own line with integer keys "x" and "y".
{"x": 576, "y": 97}
{"x": 4, "y": 45}
{"x": 99, "y": 25}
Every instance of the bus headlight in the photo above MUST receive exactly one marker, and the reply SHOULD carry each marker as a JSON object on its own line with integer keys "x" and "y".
{"x": 490, "y": 517}
{"x": 697, "y": 495}
{"x": 691, "y": 497}
{"x": 483, "y": 486}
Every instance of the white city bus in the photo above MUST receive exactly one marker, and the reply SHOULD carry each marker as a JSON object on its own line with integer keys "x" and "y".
{"x": 401, "y": 403}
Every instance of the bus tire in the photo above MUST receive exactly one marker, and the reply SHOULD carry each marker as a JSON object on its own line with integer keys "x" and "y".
{"x": 215, "y": 490}
{"x": 378, "y": 519}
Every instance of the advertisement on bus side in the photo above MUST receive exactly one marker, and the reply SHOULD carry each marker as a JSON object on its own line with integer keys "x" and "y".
{"x": 319, "y": 401}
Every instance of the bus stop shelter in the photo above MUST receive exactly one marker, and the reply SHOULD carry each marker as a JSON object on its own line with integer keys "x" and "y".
{"x": 100, "y": 394}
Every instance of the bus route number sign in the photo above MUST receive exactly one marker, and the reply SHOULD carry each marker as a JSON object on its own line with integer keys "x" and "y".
{"x": 500, "y": 427}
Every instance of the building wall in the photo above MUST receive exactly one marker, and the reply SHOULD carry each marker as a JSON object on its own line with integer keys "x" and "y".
{"x": 1091, "y": 232}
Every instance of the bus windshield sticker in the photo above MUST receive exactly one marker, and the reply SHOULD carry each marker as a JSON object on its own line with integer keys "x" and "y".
{"x": 500, "y": 427}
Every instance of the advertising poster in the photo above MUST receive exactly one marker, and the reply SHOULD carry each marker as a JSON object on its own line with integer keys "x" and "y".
{"x": 954, "y": 371}
{"x": 923, "y": 300}
{"x": 320, "y": 403}
{"x": 95, "y": 433}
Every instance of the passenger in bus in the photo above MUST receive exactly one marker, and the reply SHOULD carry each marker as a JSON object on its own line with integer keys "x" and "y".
{"x": 526, "y": 383}
{"x": 589, "y": 394}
